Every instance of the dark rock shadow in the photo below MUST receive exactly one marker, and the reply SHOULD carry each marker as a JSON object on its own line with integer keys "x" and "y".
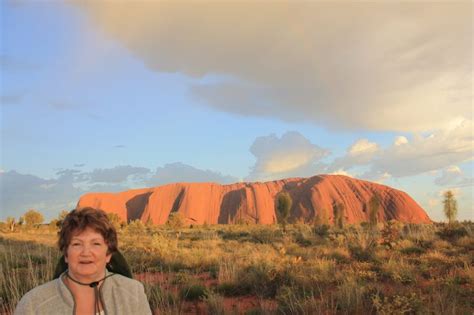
{"x": 136, "y": 206}
{"x": 230, "y": 206}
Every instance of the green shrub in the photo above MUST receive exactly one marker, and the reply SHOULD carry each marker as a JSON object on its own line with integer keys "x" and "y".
{"x": 193, "y": 292}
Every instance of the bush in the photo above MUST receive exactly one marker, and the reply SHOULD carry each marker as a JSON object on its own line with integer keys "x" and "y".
{"x": 33, "y": 217}
{"x": 194, "y": 292}
{"x": 452, "y": 232}
{"x": 321, "y": 230}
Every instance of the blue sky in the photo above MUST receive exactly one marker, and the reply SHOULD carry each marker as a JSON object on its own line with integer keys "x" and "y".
{"x": 104, "y": 96}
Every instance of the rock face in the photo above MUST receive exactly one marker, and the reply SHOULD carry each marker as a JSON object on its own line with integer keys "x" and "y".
{"x": 212, "y": 203}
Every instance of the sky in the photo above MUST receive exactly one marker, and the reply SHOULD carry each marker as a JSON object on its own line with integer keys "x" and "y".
{"x": 105, "y": 96}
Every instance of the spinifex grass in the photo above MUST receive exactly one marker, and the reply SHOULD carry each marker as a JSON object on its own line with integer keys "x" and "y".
{"x": 261, "y": 270}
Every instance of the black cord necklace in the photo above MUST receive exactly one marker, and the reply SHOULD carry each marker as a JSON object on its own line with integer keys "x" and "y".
{"x": 95, "y": 286}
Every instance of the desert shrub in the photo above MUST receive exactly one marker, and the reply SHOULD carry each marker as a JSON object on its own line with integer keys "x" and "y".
{"x": 339, "y": 254}
{"x": 303, "y": 239}
{"x": 350, "y": 296}
{"x": 175, "y": 221}
{"x": 33, "y": 218}
{"x": 214, "y": 303}
{"x": 266, "y": 235}
{"x": 290, "y": 302}
{"x": 390, "y": 234}
{"x": 398, "y": 270}
{"x": 135, "y": 228}
{"x": 452, "y": 232}
{"x": 159, "y": 299}
{"x": 193, "y": 292}
{"x": 397, "y": 304}
{"x": 413, "y": 250}
{"x": 321, "y": 230}
{"x": 361, "y": 244}
{"x": 466, "y": 242}
{"x": 23, "y": 267}
{"x": 261, "y": 279}
{"x": 283, "y": 205}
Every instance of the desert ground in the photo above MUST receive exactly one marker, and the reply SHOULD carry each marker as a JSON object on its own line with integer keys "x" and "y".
{"x": 389, "y": 268}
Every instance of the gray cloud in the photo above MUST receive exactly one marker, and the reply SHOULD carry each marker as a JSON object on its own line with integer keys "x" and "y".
{"x": 453, "y": 176}
{"x": 371, "y": 65}
{"x": 116, "y": 174}
{"x": 11, "y": 99}
{"x": 179, "y": 172}
{"x": 9, "y": 63}
{"x": 20, "y": 192}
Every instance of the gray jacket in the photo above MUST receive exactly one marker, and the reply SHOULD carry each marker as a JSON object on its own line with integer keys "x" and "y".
{"x": 119, "y": 294}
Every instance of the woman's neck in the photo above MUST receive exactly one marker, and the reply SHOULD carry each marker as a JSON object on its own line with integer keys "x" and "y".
{"x": 84, "y": 280}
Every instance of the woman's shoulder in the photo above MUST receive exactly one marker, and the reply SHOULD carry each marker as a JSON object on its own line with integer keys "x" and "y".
{"x": 43, "y": 291}
{"x": 38, "y": 296}
{"x": 118, "y": 279}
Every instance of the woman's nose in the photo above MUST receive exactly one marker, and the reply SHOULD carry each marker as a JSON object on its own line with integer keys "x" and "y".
{"x": 86, "y": 249}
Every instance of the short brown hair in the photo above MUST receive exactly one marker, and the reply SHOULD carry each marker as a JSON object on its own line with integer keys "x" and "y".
{"x": 79, "y": 219}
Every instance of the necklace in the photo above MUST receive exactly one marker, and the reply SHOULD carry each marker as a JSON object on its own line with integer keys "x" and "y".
{"x": 95, "y": 286}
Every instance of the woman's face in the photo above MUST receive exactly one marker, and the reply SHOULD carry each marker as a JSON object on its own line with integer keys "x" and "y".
{"x": 87, "y": 256}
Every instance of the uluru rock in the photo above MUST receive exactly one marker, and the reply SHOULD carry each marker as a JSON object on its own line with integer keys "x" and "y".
{"x": 212, "y": 203}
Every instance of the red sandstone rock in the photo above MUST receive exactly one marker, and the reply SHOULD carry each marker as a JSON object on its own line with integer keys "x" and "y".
{"x": 212, "y": 203}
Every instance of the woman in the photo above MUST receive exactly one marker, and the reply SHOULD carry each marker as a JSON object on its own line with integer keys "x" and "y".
{"x": 87, "y": 240}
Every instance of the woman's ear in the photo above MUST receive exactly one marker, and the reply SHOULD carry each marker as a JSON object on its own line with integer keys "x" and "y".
{"x": 108, "y": 257}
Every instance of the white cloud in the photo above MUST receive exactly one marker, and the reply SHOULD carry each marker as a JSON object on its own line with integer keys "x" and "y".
{"x": 341, "y": 172}
{"x": 403, "y": 66}
{"x": 427, "y": 153}
{"x": 290, "y": 155}
{"x": 179, "y": 172}
{"x": 400, "y": 140}
{"x": 363, "y": 146}
{"x": 361, "y": 152}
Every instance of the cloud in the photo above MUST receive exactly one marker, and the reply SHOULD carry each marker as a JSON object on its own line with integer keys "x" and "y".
{"x": 10, "y": 63}
{"x": 341, "y": 172}
{"x": 449, "y": 175}
{"x": 290, "y": 155}
{"x": 179, "y": 172}
{"x": 421, "y": 154}
{"x": 11, "y": 99}
{"x": 454, "y": 177}
{"x": 360, "y": 153}
{"x": 116, "y": 174}
{"x": 401, "y": 66}
{"x": 20, "y": 192}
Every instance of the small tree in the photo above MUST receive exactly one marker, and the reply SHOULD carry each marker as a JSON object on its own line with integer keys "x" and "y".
{"x": 62, "y": 215}
{"x": 115, "y": 220}
{"x": 175, "y": 220}
{"x": 283, "y": 206}
{"x": 374, "y": 207}
{"x": 33, "y": 217}
{"x": 450, "y": 206}
{"x": 322, "y": 217}
{"x": 11, "y": 224}
{"x": 338, "y": 209}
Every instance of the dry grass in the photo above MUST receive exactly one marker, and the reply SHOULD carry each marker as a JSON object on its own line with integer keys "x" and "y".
{"x": 260, "y": 270}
